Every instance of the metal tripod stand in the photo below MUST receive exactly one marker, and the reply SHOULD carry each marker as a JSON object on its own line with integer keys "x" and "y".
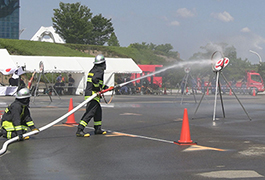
{"x": 217, "y": 75}
{"x": 185, "y": 79}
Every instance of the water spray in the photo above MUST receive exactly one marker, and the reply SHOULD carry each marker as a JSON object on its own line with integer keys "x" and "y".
{"x": 182, "y": 64}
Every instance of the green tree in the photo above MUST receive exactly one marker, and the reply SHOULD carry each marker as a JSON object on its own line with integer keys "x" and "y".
{"x": 102, "y": 29}
{"x": 113, "y": 40}
{"x": 75, "y": 24}
{"x": 164, "y": 48}
{"x": 72, "y": 22}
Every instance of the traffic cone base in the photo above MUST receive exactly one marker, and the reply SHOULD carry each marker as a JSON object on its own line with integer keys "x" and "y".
{"x": 185, "y": 131}
{"x": 71, "y": 118}
{"x": 185, "y": 143}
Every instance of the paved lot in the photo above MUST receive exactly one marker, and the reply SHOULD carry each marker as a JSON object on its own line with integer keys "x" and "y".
{"x": 140, "y": 141}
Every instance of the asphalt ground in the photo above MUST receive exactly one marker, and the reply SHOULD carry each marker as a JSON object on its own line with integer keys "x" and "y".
{"x": 140, "y": 140}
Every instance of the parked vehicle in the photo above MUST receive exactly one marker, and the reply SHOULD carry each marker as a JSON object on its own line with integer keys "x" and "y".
{"x": 252, "y": 82}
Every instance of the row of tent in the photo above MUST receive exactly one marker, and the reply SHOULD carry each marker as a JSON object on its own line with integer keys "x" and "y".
{"x": 77, "y": 66}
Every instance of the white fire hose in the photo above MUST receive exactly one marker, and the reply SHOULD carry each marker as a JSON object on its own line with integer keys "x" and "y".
{"x": 5, "y": 145}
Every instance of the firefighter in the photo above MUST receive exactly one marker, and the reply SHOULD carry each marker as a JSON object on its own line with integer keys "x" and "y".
{"x": 16, "y": 119}
{"x": 93, "y": 108}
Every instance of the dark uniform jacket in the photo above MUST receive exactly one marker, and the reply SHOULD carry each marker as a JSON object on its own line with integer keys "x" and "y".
{"x": 17, "y": 118}
{"x": 95, "y": 81}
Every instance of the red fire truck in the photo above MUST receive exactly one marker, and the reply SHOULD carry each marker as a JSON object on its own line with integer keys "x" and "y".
{"x": 253, "y": 82}
{"x": 148, "y": 69}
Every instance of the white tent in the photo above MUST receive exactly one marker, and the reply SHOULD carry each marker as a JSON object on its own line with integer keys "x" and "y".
{"x": 77, "y": 66}
{"x": 6, "y": 60}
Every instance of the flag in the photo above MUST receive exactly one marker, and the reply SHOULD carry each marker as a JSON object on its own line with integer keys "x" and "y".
{"x": 8, "y": 71}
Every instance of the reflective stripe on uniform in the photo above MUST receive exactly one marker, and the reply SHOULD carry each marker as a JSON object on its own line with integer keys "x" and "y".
{"x": 8, "y": 126}
{"x": 101, "y": 82}
{"x": 89, "y": 79}
{"x": 97, "y": 98}
{"x": 83, "y": 123}
{"x": 9, "y": 135}
{"x": 30, "y": 123}
{"x": 97, "y": 123}
{"x": 95, "y": 85}
{"x": 18, "y": 128}
{"x": 6, "y": 110}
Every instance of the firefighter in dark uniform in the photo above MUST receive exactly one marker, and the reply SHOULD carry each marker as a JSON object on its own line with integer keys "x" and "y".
{"x": 16, "y": 119}
{"x": 93, "y": 108}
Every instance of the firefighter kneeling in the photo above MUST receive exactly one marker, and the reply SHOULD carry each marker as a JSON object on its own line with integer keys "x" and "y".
{"x": 16, "y": 119}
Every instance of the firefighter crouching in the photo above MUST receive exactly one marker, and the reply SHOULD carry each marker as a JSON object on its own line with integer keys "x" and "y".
{"x": 16, "y": 119}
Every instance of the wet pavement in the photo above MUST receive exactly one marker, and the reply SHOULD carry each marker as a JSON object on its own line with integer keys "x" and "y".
{"x": 140, "y": 140}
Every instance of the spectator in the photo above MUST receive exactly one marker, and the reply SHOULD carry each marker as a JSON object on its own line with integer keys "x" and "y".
{"x": 71, "y": 82}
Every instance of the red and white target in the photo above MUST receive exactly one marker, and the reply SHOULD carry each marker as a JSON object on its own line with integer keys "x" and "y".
{"x": 220, "y": 64}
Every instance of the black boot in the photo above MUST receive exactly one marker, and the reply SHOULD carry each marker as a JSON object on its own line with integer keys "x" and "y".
{"x": 98, "y": 130}
{"x": 81, "y": 133}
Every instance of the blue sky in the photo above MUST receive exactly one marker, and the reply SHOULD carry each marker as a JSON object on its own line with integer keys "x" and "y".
{"x": 185, "y": 24}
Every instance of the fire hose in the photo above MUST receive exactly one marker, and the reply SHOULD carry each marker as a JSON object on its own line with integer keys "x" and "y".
{"x": 5, "y": 145}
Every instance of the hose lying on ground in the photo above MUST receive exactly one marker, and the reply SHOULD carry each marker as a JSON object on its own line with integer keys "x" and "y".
{"x": 5, "y": 145}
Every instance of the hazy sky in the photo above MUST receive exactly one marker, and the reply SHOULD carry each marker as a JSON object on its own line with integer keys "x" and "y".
{"x": 185, "y": 24}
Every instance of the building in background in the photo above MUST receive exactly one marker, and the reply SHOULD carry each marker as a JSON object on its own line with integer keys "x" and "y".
{"x": 9, "y": 19}
{"x": 47, "y": 34}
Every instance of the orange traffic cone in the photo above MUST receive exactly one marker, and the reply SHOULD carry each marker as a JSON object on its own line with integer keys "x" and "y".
{"x": 207, "y": 93}
{"x": 71, "y": 118}
{"x": 254, "y": 92}
{"x": 230, "y": 92}
{"x": 185, "y": 131}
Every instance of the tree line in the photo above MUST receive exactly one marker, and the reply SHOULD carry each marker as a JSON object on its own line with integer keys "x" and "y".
{"x": 76, "y": 24}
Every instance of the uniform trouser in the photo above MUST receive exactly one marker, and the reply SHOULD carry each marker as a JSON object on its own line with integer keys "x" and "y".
{"x": 10, "y": 134}
{"x": 93, "y": 110}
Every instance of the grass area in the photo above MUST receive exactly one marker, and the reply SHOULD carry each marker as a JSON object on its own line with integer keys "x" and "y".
{"x": 36, "y": 48}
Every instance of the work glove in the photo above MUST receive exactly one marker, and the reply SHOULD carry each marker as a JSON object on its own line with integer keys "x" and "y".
{"x": 105, "y": 87}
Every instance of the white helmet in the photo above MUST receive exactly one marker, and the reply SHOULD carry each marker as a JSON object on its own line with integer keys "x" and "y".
{"x": 99, "y": 59}
{"x": 23, "y": 93}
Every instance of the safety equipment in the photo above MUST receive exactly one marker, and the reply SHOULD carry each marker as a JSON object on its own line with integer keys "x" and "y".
{"x": 99, "y": 59}
{"x": 81, "y": 133}
{"x": 98, "y": 130}
{"x": 23, "y": 93}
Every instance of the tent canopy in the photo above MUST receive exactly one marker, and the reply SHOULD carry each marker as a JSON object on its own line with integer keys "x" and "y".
{"x": 80, "y": 66}
{"x": 51, "y": 64}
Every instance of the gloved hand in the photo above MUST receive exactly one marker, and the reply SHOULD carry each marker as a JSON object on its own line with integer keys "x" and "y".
{"x": 105, "y": 87}
{"x": 20, "y": 137}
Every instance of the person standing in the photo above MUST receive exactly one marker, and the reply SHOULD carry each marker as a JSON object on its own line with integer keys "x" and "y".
{"x": 93, "y": 108}
{"x": 17, "y": 119}
{"x": 71, "y": 82}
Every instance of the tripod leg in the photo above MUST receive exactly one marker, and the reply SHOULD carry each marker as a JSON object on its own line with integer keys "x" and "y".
{"x": 47, "y": 89}
{"x": 193, "y": 89}
{"x": 52, "y": 88}
{"x": 222, "y": 103}
{"x": 236, "y": 97}
{"x": 37, "y": 87}
{"x": 215, "y": 97}
{"x": 203, "y": 94}
{"x": 198, "y": 106}
{"x": 185, "y": 85}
